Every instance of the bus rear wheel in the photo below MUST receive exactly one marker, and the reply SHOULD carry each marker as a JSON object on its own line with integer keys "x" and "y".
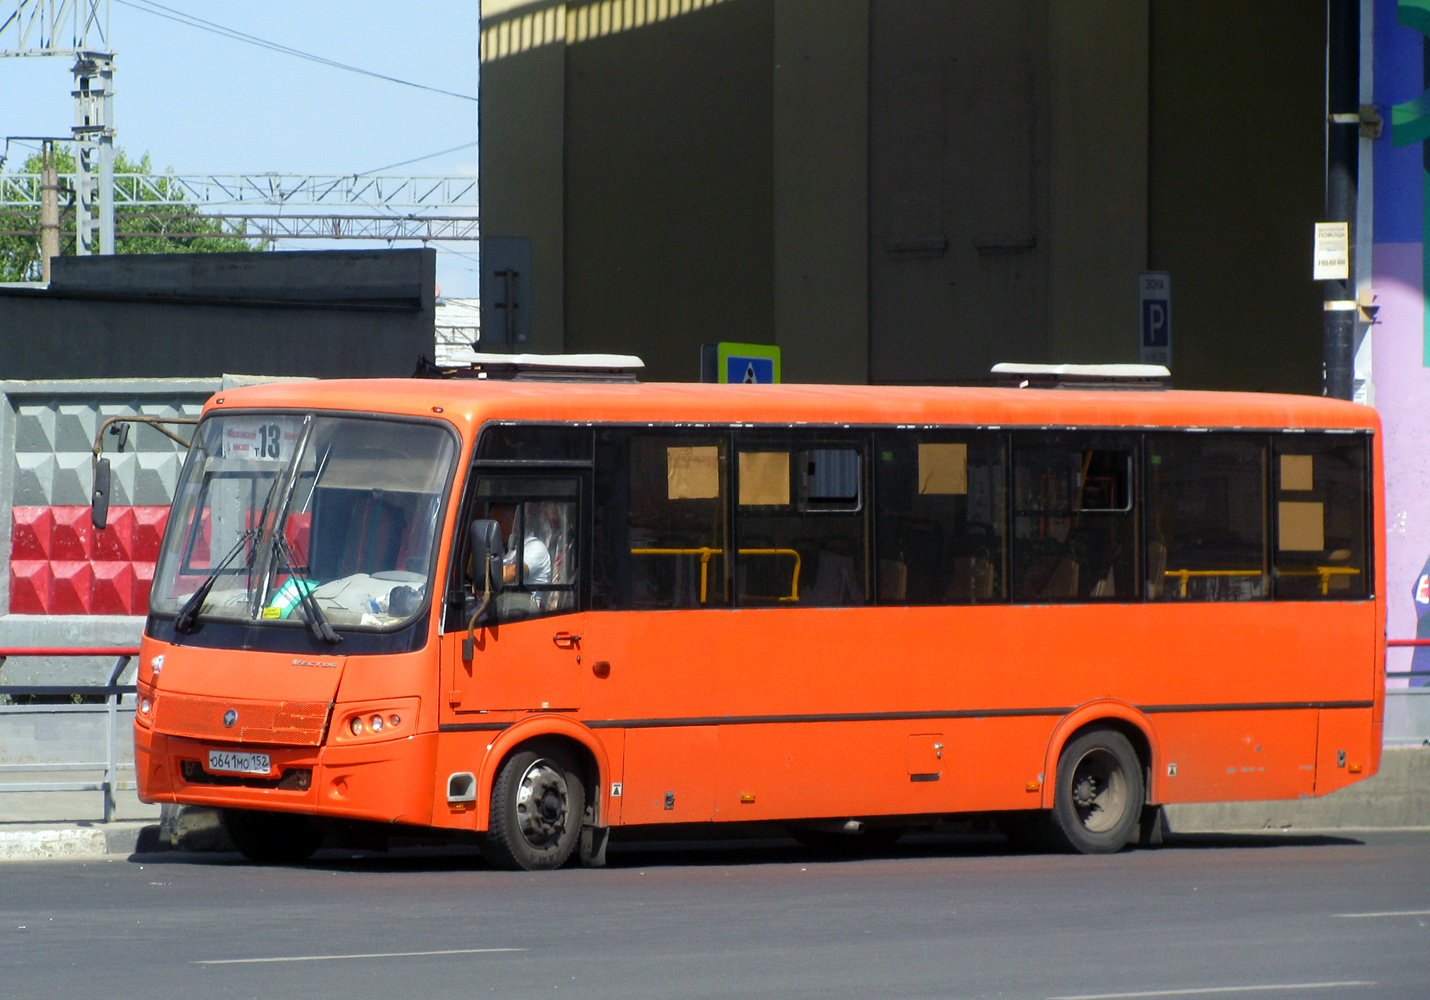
{"x": 272, "y": 838}
{"x": 1100, "y": 793}
{"x": 538, "y": 804}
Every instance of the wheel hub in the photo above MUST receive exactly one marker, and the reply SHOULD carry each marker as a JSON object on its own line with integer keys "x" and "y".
{"x": 1099, "y": 791}
{"x": 542, "y": 804}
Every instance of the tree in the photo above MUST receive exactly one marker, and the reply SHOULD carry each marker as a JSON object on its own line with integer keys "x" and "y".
{"x": 20, "y": 239}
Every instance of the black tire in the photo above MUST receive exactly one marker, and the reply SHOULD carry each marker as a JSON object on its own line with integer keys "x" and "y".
{"x": 1100, "y": 793}
{"x": 836, "y": 843}
{"x": 538, "y": 804}
{"x": 273, "y": 838}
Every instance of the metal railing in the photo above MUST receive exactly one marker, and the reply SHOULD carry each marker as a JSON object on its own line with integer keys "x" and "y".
{"x": 64, "y": 726}
{"x": 1407, "y": 709}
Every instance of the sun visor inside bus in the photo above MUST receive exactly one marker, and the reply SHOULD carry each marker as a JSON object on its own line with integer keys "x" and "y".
{"x": 1296, "y": 472}
{"x": 764, "y": 478}
{"x": 382, "y": 469}
{"x": 1301, "y": 526}
{"x": 692, "y": 473}
{"x": 943, "y": 469}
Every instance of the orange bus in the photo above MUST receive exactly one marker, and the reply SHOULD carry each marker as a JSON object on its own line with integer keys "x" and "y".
{"x": 539, "y": 611}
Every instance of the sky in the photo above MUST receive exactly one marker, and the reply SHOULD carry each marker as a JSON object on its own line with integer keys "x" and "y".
{"x": 202, "y": 103}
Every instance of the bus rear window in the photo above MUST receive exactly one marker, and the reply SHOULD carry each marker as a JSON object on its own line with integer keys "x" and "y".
{"x": 1319, "y": 517}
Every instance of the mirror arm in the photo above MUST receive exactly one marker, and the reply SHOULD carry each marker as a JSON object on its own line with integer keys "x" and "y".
{"x": 469, "y": 644}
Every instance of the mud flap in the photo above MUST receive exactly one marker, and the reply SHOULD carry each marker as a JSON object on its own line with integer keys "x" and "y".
{"x": 593, "y": 846}
{"x": 1152, "y": 827}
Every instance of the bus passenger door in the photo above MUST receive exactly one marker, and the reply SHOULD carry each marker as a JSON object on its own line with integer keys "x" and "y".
{"x": 526, "y": 652}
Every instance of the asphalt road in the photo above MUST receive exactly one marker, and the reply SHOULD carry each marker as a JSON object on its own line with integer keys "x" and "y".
{"x": 1324, "y": 917}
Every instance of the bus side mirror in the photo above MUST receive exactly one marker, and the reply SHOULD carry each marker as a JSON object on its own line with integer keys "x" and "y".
{"x": 485, "y": 550}
{"x": 99, "y": 497}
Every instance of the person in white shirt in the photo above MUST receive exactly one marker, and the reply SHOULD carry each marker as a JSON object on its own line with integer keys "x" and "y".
{"x": 535, "y": 559}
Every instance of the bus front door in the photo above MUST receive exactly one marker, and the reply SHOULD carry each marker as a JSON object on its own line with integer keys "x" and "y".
{"x": 526, "y": 653}
{"x": 517, "y": 666}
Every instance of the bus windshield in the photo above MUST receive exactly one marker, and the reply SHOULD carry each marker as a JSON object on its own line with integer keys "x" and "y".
{"x": 287, "y": 518}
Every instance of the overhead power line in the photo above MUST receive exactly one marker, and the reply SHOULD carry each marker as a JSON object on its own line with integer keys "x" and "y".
{"x": 170, "y": 14}
{"x": 416, "y": 159}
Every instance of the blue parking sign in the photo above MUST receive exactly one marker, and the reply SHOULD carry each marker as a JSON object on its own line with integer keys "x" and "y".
{"x": 1154, "y": 300}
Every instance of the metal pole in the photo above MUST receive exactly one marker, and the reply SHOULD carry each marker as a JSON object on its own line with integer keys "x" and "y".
{"x": 49, "y": 209}
{"x": 106, "y": 195}
{"x": 1342, "y": 159}
{"x": 110, "y": 770}
{"x": 83, "y": 202}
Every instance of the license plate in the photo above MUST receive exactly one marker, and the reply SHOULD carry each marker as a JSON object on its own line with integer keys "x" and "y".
{"x": 239, "y": 763}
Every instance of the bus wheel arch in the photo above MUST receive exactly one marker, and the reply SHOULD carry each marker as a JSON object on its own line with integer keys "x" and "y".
{"x": 1118, "y": 716}
{"x": 577, "y": 742}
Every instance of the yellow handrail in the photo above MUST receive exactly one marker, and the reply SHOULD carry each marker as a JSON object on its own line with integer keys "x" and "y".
{"x": 1324, "y": 572}
{"x": 1186, "y": 574}
{"x": 706, "y": 554}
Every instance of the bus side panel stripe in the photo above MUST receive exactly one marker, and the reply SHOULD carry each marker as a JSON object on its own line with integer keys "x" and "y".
{"x": 975, "y": 713}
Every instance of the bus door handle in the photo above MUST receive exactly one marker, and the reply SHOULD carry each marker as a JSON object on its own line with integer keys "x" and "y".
{"x": 567, "y": 640}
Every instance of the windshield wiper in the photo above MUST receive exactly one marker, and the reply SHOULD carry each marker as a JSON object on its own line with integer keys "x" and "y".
{"x": 189, "y": 613}
{"x": 317, "y": 620}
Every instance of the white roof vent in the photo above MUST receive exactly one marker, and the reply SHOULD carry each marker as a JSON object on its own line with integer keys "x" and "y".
{"x": 543, "y": 368}
{"x": 1082, "y": 376}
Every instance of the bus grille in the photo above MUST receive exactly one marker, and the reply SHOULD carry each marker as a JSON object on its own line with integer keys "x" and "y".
{"x": 289, "y": 723}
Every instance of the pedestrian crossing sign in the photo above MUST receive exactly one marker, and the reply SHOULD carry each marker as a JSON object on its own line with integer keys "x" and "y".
{"x": 751, "y": 363}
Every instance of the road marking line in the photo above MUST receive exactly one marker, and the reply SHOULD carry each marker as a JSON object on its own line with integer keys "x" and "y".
{"x": 1213, "y": 989}
{"x": 331, "y": 958}
{"x": 1389, "y": 913}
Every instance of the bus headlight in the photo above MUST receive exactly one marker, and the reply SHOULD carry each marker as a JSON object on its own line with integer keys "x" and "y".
{"x": 389, "y": 719}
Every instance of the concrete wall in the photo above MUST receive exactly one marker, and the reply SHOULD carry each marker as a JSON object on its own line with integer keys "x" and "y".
{"x": 46, "y": 431}
{"x": 958, "y": 205}
{"x": 669, "y": 186}
{"x": 821, "y": 189}
{"x": 1396, "y": 796}
{"x": 1097, "y": 177}
{"x": 328, "y": 314}
{"x": 1235, "y": 187}
{"x": 522, "y": 114}
{"x": 911, "y": 190}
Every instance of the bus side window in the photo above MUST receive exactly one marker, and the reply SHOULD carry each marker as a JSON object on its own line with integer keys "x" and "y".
{"x": 1319, "y": 516}
{"x": 661, "y": 531}
{"x": 942, "y": 507}
{"x": 801, "y": 526}
{"x": 538, "y": 518}
{"x": 1074, "y": 520}
{"x": 1206, "y": 517}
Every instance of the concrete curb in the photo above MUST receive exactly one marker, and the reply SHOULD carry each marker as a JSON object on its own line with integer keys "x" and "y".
{"x": 39, "y": 841}
{"x": 1396, "y": 797}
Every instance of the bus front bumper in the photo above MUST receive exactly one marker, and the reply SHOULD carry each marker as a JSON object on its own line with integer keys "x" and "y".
{"x": 388, "y": 781}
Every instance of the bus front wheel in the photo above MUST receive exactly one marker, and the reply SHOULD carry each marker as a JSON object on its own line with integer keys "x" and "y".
{"x": 1100, "y": 793}
{"x": 538, "y": 803}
